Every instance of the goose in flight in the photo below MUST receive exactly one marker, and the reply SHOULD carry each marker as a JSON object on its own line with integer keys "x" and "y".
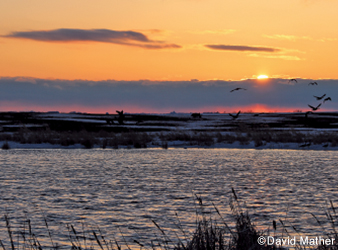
{"x": 314, "y": 108}
{"x": 237, "y": 89}
{"x": 292, "y": 80}
{"x": 319, "y": 97}
{"x": 313, "y": 83}
{"x": 235, "y": 116}
{"x": 327, "y": 99}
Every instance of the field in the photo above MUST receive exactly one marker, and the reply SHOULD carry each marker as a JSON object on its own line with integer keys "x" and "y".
{"x": 303, "y": 131}
{"x": 314, "y": 130}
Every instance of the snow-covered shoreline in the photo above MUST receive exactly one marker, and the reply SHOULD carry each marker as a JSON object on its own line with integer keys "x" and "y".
{"x": 176, "y": 145}
{"x": 294, "y": 131}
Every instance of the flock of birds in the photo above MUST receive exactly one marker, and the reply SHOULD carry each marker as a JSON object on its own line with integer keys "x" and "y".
{"x": 119, "y": 119}
{"x": 314, "y": 108}
{"x": 121, "y": 116}
{"x": 318, "y": 98}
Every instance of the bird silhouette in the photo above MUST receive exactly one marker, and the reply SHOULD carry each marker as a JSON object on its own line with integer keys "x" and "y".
{"x": 327, "y": 99}
{"x": 235, "y": 116}
{"x": 237, "y": 89}
{"x": 314, "y": 108}
{"x": 313, "y": 83}
{"x": 121, "y": 117}
{"x": 319, "y": 97}
{"x": 120, "y": 112}
{"x": 292, "y": 80}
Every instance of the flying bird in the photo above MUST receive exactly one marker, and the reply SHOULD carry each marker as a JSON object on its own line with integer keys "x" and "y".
{"x": 235, "y": 116}
{"x": 313, "y": 83}
{"x": 327, "y": 99}
{"x": 292, "y": 80}
{"x": 314, "y": 108}
{"x": 237, "y": 89}
{"x": 319, "y": 97}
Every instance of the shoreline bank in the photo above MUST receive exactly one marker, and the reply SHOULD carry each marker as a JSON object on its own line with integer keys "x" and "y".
{"x": 176, "y": 145}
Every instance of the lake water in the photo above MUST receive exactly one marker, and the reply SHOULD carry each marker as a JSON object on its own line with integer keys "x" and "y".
{"x": 122, "y": 191}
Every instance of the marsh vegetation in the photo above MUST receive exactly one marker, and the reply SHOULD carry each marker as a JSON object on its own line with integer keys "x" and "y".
{"x": 103, "y": 139}
{"x": 140, "y": 131}
{"x": 211, "y": 233}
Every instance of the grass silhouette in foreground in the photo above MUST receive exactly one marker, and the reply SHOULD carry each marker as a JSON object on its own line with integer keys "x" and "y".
{"x": 209, "y": 234}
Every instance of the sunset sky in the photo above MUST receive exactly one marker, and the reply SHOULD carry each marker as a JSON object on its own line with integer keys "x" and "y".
{"x": 120, "y": 45}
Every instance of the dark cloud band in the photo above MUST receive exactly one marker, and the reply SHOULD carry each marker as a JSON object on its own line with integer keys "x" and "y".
{"x": 163, "y": 95}
{"x": 130, "y": 38}
{"x": 241, "y": 48}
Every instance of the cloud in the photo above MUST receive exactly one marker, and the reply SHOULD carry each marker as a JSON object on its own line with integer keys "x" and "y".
{"x": 25, "y": 79}
{"x": 130, "y": 38}
{"x": 284, "y": 57}
{"x": 214, "y": 32}
{"x": 294, "y": 38}
{"x": 327, "y": 39}
{"x": 241, "y": 48}
{"x": 278, "y": 53}
{"x": 287, "y": 37}
{"x": 161, "y": 96}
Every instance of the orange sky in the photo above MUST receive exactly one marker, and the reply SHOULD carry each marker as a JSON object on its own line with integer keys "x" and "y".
{"x": 301, "y": 32}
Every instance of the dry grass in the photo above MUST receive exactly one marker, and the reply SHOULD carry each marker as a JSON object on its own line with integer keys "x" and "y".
{"x": 211, "y": 233}
{"x": 5, "y": 146}
{"x": 104, "y": 139}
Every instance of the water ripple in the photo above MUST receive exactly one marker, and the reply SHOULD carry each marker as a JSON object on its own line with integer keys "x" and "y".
{"x": 128, "y": 188}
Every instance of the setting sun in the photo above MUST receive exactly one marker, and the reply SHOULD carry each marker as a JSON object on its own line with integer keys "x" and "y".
{"x": 262, "y": 77}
